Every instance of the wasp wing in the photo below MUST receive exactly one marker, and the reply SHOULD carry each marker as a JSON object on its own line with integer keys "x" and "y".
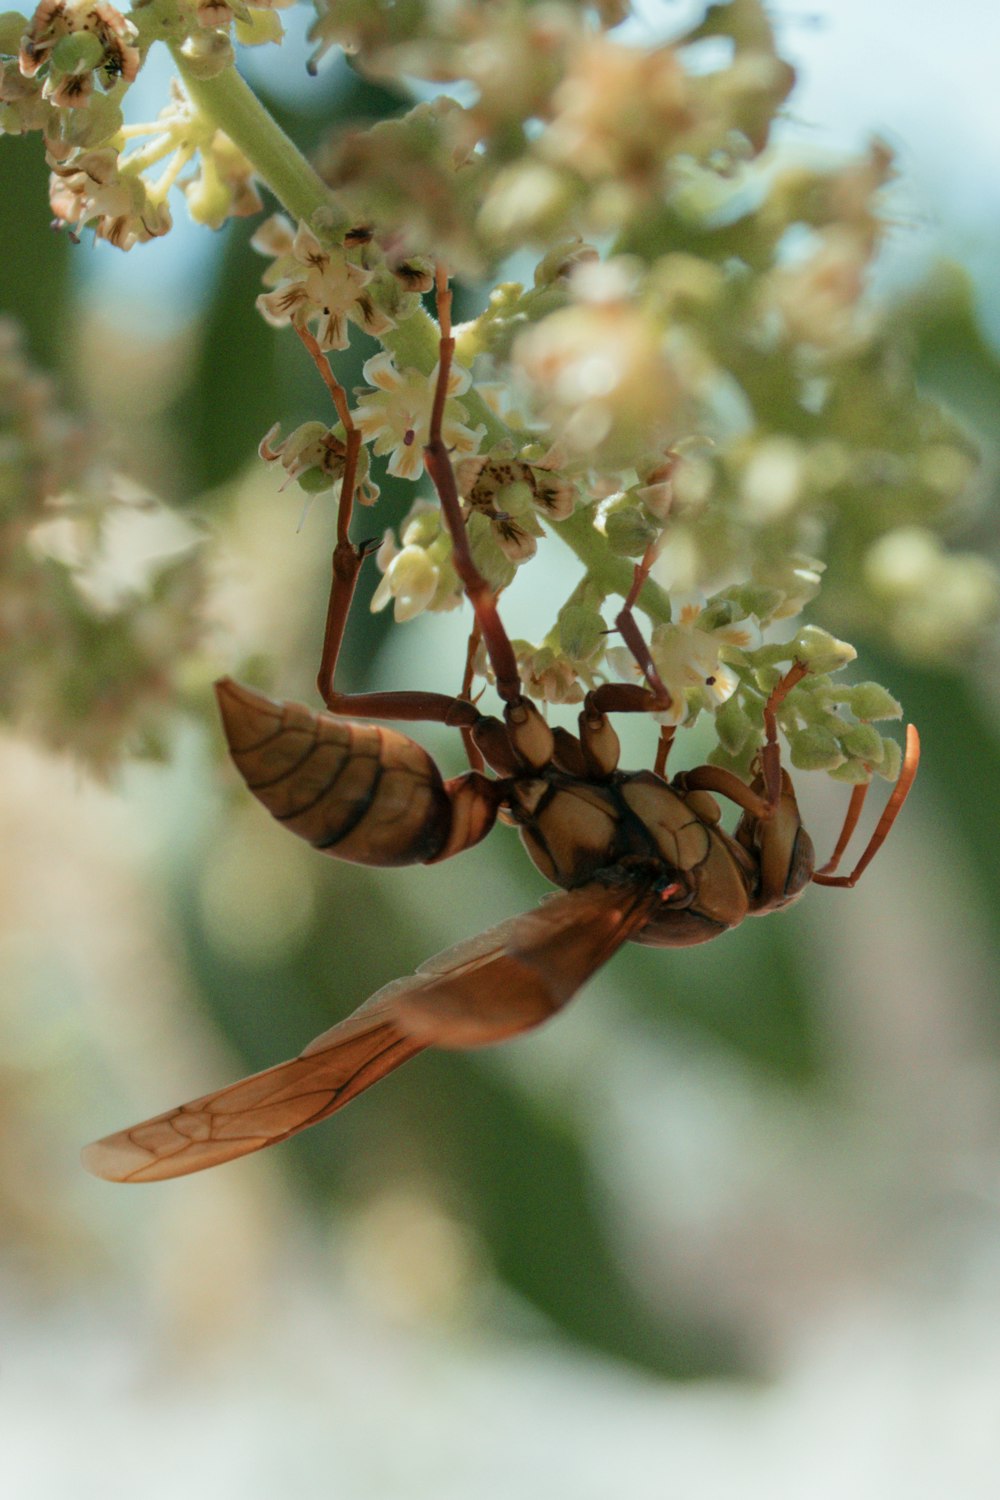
{"x": 507, "y": 980}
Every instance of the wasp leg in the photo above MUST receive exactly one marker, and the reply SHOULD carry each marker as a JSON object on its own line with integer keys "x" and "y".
{"x": 726, "y": 784}
{"x": 475, "y": 756}
{"x": 480, "y": 595}
{"x": 347, "y": 560}
{"x": 770, "y": 755}
{"x": 628, "y": 628}
{"x": 900, "y": 792}
{"x": 347, "y": 557}
{"x": 667, "y": 732}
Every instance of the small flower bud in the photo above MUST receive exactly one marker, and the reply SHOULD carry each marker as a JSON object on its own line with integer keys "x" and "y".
{"x": 625, "y": 524}
{"x": 862, "y": 742}
{"x": 557, "y": 264}
{"x": 821, "y": 651}
{"x": 892, "y": 760}
{"x": 734, "y": 726}
{"x": 814, "y": 749}
{"x": 869, "y": 700}
{"x": 208, "y": 199}
{"x": 854, "y": 772}
{"x": 411, "y": 579}
{"x": 581, "y": 631}
{"x": 78, "y": 52}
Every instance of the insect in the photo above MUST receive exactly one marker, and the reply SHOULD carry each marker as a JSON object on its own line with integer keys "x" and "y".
{"x": 638, "y": 857}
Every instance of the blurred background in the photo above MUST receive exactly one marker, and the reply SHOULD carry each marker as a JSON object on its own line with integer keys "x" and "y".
{"x": 733, "y": 1223}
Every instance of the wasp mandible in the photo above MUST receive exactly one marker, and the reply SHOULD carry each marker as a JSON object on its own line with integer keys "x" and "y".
{"x": 638, "y": 857}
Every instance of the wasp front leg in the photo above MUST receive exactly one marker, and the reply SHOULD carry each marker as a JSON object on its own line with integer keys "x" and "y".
{"x": 438, "y": 462}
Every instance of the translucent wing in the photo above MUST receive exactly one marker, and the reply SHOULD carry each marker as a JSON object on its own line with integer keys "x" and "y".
{"x": 507, "y": 980}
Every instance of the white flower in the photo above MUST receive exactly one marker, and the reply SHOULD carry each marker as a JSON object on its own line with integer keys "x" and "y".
{"x": 690, "y": 662}
{"x": 397, "y": 414}
{"x": 89, "y": 189}
{"x": 315, "y": 457}
{"x": 420, "y": 575}
{"x": 410, "y": 577}
{"x": 320, "y": 286}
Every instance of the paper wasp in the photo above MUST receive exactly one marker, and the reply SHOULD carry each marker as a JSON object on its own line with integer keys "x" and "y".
{"x": 638, "y": 858}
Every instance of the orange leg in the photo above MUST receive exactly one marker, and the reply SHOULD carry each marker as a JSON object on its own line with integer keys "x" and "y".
{"x": 480, "y": 595}
{"x": 347, "y": 560}
{"x": 667, "y": 732}
{"x": 628, "y": 628}
{"x": 472, "y": 750}
{"x": 770, "y": 755}
{"x": 900, "y": 792}
{"x": 855, "y": 805}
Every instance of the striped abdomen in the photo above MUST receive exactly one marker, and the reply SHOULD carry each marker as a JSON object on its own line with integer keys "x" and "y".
{"x": 356, "y": 791}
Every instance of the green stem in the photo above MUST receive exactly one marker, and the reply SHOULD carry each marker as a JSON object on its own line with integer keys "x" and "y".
{"x": 612, "y": 575}
{"x": 275, "y": 158}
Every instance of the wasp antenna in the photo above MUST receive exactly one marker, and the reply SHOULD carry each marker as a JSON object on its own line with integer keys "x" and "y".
{"x": 857, "y": 802}
{"x": 900, "y": 792}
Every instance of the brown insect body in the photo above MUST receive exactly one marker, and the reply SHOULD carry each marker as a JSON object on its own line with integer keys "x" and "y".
{"x": 372, "y": 795}
{"x": 360, "y": 792}
{"x": 639, "y": 858}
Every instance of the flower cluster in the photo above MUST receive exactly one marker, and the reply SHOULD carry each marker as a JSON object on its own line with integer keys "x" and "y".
{"x": 712, "y": 397}
{"x": 717, "y": 389}
{"x": 419, "y": 575}
{"x": 96, "y": 652}
{"x": 65, "y": 71}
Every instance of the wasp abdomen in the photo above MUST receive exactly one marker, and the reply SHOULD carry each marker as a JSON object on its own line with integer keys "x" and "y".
{"x": 357, "y": 791}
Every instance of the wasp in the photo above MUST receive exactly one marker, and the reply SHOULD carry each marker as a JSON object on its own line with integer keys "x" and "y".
{"x": 638, "y": 858}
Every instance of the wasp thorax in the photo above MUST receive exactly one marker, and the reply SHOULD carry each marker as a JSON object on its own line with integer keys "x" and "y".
{"x": 530, "y": 736}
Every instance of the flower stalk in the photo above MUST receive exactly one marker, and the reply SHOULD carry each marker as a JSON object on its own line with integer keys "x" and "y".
{"x": 231, "y": 104}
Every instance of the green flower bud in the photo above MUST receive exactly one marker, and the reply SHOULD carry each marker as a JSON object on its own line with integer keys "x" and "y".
{"x": 869, "y": 700}
{"x": 814, "y": 749}
{"x": 626, "y": 526}
{"x": 422, "y": 527}
{"x": 719, "y": 613}
{"x": 862, "y": 742}
{"x": 487, "y": 554}
{"x": 560, "y": 260}
{"x": 79, "y": 52}
{"x": 892, "y": 759}
{"x": 734, "y": 726}
{"x": 852, "y": 771}
{"x": 822, "y": 651}
{"x": 518, "y": 500}
{"x": 755, "y": 599}
{"x": 581, "y": 631}
{"x": 208, "y": 199}
{"x": 314, "y": 481}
